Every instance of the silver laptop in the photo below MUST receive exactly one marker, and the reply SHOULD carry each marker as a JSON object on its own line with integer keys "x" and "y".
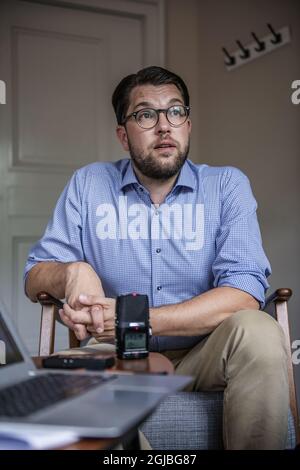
{"x": 91, "y": 404}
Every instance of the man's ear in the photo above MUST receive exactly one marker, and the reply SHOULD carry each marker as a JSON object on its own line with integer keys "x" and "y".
{"x": 122, "y": 136}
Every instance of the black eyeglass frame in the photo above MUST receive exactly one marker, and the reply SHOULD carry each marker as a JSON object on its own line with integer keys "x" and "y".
{"x": 158, "y": 111}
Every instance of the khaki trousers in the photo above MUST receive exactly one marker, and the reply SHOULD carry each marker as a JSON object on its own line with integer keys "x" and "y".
{"x": 246, "y": 356}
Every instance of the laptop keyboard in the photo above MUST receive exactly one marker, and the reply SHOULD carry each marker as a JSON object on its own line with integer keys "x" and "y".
{"x": 38, "y": 392}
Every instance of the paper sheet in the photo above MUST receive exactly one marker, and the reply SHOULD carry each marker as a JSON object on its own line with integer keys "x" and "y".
{"x": 27, "y": 436}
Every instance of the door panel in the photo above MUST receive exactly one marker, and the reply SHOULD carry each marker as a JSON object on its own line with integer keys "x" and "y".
{"x": 60, "y": 64}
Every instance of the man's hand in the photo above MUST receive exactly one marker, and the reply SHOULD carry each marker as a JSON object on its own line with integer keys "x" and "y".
{"x": 97, "y": 317}
{"x": 80, "y": 277}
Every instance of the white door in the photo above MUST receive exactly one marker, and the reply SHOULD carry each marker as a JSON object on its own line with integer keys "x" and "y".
{"x": 60, "y": 64}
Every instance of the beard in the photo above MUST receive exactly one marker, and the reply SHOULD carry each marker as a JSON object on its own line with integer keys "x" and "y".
{"x": 160, "y": 167}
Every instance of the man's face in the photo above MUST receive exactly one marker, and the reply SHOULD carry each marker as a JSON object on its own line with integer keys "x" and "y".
{"x": 160, "y": 152}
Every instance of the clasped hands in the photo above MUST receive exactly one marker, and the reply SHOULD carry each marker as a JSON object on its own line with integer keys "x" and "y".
{"x": 95, "y": 315}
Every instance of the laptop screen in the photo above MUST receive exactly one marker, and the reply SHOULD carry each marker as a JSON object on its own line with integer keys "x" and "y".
{"x": 9, "y": 352}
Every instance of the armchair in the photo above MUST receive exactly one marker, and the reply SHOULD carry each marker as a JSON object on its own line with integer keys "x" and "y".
{"x": 187, "y": 420}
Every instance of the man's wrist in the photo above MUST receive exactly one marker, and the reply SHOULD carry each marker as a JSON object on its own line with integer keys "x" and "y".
{"x": 153, "y": 320}
{"x": 74, "y": 268}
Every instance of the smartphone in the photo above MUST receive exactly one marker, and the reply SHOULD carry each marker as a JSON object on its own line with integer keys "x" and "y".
{"x": 90, "y": 362}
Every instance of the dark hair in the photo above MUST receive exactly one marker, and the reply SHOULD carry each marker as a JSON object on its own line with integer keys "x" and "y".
{"x": 150, "y": 75}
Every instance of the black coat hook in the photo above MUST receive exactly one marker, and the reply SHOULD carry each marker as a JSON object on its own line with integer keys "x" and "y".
{"x": 231, "y": 59}
{"x": 277, "y": 36}
{"x": 246, "y": 53}
{"x": 261, "y": 44}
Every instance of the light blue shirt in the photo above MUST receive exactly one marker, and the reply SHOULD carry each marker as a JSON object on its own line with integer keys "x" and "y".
{"x": 204, "y": 235}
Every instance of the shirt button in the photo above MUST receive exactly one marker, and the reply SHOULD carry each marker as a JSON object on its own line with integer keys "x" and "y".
{"x": 156, "y": 212}
{"x": 158, "y": 250}
{"x": 159, "y": 288}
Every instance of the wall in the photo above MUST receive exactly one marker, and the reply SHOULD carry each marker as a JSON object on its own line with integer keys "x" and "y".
{"x": 245, "y": 117}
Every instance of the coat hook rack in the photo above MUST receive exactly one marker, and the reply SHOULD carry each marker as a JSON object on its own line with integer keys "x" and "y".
{"x": 231, "y": 59}
{"x": 245, "y": 52}
{"x": 258, "y": 48}
{"x": 277, "y": 36}
{"x": 261, "y": 44}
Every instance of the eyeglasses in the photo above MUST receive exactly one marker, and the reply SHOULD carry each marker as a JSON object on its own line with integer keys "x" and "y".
{"x": 147, "y": 118}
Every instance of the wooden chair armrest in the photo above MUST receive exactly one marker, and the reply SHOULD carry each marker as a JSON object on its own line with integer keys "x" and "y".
{"x": 46, "y": 299}
{"x": 281, "y": 295}
{"x": 49, "y": 315}
{"x": 276, "y": 305}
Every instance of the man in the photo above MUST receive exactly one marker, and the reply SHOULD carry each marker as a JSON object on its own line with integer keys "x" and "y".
{"x": 187, "y": 236}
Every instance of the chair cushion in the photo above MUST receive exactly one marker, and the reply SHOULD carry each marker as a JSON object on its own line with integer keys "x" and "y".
{"x": 192, "y": 420}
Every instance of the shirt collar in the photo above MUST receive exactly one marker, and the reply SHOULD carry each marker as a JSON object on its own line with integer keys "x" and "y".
{"x": 186, "y": 177}
{"x": 128, "y": 176}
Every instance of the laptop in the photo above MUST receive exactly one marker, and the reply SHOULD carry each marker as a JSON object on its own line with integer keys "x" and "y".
{"x": 91, "y": 404}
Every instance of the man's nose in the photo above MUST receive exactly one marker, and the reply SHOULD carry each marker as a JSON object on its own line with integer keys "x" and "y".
{"x": 163, "y": 124}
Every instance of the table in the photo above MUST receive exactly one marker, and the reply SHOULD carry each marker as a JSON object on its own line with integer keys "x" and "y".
{"x": 156, "y": 363}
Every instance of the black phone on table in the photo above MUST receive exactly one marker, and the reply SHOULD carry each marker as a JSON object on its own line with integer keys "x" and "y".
{"x": 90, "y": 362}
